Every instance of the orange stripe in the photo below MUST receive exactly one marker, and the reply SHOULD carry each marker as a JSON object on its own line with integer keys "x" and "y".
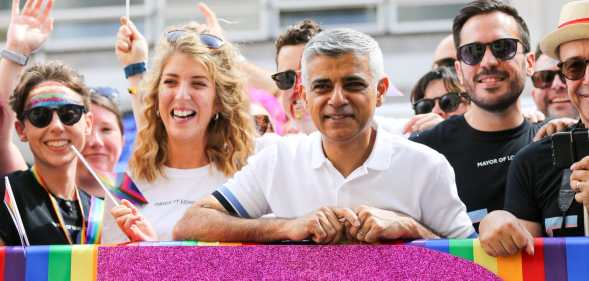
{"x": 581, "y": 20}
{"x": 510, "y": 268}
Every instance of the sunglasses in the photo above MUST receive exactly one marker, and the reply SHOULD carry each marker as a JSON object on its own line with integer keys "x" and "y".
{"x": 543, "y": 79}
{"x": 210, "y": 40}
{"x": 573, "y": 68}
{"x": 285, "y": 80}
{"x": 68, "y": 114}
{"x": 108, "y": 92}
{"x": 448, "y": 103}
{"x": 503, "y": 49}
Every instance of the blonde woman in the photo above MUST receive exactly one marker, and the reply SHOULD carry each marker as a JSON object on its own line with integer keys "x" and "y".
{"x": 194, "y": 127}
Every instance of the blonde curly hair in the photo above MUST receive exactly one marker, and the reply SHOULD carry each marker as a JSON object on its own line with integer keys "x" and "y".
{"x": 230, "y": 137}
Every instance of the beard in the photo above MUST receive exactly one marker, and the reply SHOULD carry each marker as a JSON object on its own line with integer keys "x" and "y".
{"x": 505, "y": 100}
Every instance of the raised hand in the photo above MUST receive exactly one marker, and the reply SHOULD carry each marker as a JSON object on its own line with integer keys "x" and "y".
{"x": 131, "y": 46}
{"x": 29, "y": 29}
{"x": 132, "y": 223}
{"x": 212, "y": 23}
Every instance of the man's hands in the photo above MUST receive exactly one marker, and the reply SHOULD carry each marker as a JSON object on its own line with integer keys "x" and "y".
{"x": 29, "y": 29}
{"x": 365, "y": 224}
{"x": 502, "y": 234}
{"x": 554, "y": 126}
{"x": 132, "y": 223}
{"x": 131, "y": 46}
{"x": 580, "y": 181}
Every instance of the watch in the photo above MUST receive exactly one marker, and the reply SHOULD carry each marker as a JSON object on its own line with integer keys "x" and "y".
{"x": 14, "y": 57}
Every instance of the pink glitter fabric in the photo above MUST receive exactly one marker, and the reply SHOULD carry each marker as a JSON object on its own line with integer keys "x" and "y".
{"x": 274, "y": 262}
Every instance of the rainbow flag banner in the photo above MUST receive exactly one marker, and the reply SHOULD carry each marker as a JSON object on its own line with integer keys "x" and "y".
{"x": 564, "y": 259}
{"x": 554, "y": 258}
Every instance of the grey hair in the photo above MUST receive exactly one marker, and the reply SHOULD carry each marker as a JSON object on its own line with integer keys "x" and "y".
{"x": 341, "y": 41}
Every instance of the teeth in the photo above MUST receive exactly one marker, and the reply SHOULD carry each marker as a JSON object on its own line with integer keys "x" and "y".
{"x": 57, "y": 143}
{"x": 183, "y": 113}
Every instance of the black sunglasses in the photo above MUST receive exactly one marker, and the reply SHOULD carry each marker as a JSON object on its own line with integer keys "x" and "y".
{"x": 285, "y": 80}
{"x": 210, "y": 40}
{"x": 448, "y": 103}
{"x": 573, "y": 68}
{"x": 543, "y": 79}
{"x": 502, "y": 49}
{"x": 68, "y": 114}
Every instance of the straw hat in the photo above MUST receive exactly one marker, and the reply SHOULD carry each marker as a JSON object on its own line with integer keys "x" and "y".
{"x": 572, "y": 25}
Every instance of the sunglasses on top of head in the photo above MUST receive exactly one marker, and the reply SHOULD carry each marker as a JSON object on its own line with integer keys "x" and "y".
{"x": 448, "y": 103}
{"x": 285, "y": 80}
{"x": 209, "y": 40}
{"x": 543, "y": 79}
{"x": 573, "y": 68}
{"x": 503, "y": 49}
{"x": 68, "y": 114}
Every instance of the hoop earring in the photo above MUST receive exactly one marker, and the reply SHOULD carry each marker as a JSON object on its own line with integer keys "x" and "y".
{"x": 157, "y": 113}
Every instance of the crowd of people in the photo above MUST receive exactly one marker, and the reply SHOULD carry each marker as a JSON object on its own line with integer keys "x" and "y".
{"x": 305, "y": 159}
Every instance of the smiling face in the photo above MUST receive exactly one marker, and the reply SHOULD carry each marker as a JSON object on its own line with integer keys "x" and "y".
{"x": 578, "y": 90}
{"x": 436, "y": 88}
{"x": 105, "y": 143}
{"x": 289, "y": 58}
{"x": 186, "y": 100}
{"x": 50, "y": 145}
{"x": 342, "y": 96}
{"x": 493, "y": 85}
{"x": 555, "y": 98}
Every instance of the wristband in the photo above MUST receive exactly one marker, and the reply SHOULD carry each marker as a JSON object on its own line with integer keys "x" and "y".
{"x": 15, "y": 57}
{"x": 134, "y": 69}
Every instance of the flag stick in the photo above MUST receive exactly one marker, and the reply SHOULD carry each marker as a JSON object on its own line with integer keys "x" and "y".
{"x": 106, "y": 191}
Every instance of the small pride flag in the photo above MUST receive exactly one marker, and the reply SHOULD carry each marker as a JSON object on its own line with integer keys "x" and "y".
{"x": 14, "y": 212}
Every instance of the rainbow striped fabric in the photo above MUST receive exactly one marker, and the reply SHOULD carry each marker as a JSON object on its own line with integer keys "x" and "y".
{"x": 565, "y": 259}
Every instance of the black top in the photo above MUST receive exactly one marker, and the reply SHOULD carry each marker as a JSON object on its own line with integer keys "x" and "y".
{"x": 533, "y": 185}
{"x": 480, "y": 160}
{"x": 41, "y": 223}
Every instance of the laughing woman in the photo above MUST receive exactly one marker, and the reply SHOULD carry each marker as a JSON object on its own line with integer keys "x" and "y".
{"x": 195, "y": 131}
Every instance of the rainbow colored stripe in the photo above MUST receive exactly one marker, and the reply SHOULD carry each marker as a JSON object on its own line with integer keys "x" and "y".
{"x": 565, "y": 259}
{"x": 50, "y": 100}
{"x": 125, "y": 188}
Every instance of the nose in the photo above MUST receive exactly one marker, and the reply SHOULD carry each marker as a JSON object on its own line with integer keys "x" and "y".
{"x": 557, "y": 83}
{"x": 55, "y": 125}
{"x": 338, "y": 97}
{"x": 95, "y": 139}
{"x": 182, "y": 91}
{"x": 586, "y": 79}
{"x": 437, "y": 110}
{"x": 488, "y": 58}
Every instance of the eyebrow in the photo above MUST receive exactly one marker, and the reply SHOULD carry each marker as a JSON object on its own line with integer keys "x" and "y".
{"x": 174, "y": 75}
{"x": 354, "y": 78}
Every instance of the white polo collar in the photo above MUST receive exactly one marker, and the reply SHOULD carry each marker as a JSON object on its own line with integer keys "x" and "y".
{"x": 379, "y": 159}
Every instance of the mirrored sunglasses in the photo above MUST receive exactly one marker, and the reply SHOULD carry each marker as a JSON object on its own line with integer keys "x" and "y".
{"x": 209, "y": 40}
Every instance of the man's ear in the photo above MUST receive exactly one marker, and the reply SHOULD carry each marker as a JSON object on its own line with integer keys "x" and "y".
{"x": 530, "y": 63}
{"x": 458, "y": 68}
{"x": 381, "y": 90}
{"x": 20, "y": 130}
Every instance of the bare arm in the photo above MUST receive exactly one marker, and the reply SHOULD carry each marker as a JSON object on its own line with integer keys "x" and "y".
{"x": 259, "y": 78}
{"x": 27, "y": 32}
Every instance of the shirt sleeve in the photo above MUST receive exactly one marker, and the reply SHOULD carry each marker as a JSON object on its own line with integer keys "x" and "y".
{"x": 443, "y": 211}
{"x": 519, "y": 196}
{"x": 245, "y": 194}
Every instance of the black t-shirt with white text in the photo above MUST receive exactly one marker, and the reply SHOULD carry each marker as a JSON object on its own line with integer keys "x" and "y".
{"x": 533, "y": 186}
{"x": 480, "y": 160}
{"x": 39, "y": 219}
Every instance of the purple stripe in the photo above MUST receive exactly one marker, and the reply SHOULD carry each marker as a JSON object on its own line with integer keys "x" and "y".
{"x": 555, "y": 259}
{"x": 14, "y": 268}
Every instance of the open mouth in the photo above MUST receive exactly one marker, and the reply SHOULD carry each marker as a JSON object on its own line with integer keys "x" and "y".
{"x": 560, "y": 100}
{"x": 58, "y": 144}
{"x": 182, "y": 114}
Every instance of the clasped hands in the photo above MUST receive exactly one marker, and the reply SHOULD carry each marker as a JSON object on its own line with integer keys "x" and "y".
{"x": 330, "y": 225}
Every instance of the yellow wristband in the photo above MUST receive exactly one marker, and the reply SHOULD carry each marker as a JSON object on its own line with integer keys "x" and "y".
{"x": 132, "y": 91}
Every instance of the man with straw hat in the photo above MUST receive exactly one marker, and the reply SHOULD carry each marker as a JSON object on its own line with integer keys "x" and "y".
{"x": 538, "y": 200}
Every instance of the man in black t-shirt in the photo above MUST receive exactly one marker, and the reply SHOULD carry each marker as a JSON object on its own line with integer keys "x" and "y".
{"x": 492, "y": 43}
{"x": 539, "y": 198}
{"x": 41, "y": 224}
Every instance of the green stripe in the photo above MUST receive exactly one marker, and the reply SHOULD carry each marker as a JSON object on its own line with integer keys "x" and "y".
{"x": 189, "y": 243}
{"x": 462, "y": 248}
{"x": 60, "y": 257}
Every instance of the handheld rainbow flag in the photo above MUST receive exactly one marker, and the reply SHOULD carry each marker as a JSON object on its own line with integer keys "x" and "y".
{"x": 14, "y": 212}
{"x": 107, "y": 192}
{"x": 125, "y": 188}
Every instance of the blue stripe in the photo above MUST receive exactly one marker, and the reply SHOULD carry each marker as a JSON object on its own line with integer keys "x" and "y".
{"x": 477, "y": 215}
{"x": 577, "y": 258}
{"x": 473, "y": 235}
{"x": 233, "y": 201}
{"x": 441, "y": 245}
{"x": 37, "y": 263}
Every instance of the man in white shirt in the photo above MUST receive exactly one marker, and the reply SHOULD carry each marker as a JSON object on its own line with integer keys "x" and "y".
{"x": 348, "y": 181}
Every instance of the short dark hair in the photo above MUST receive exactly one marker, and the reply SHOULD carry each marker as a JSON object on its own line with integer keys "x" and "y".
{"x": 299, "y": 33}
{"x": 443, "y": 73}
{"x": 49, "y": 71}
{"x": 481, "y": 7}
